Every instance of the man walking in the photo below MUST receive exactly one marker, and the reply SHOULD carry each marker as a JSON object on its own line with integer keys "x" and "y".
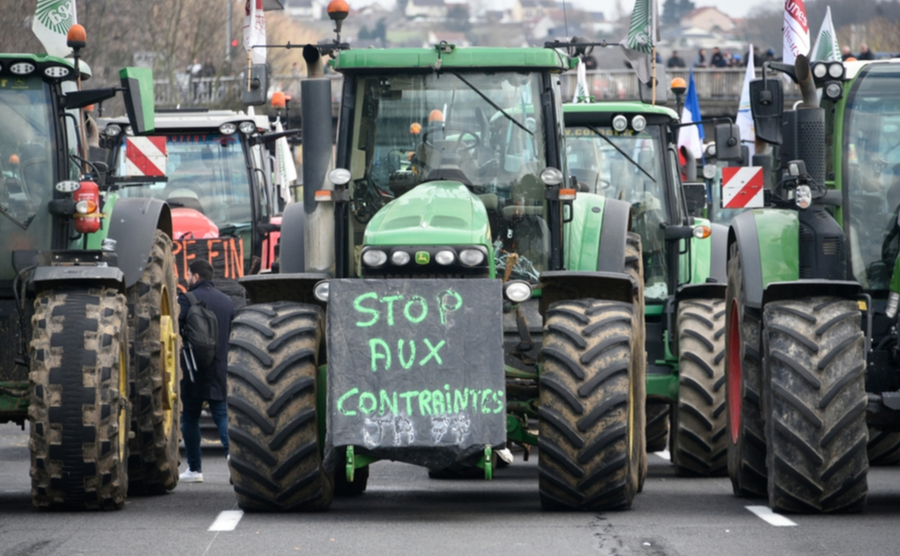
{"x": 206, "y": 385}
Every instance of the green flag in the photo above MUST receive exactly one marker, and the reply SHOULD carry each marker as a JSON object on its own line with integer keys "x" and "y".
{"x": 827, "y": 48}
{"x": 640, "y": 32}
{"x": 638, "y": 46}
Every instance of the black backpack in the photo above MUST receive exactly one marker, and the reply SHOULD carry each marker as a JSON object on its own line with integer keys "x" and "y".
{"x": 201, "y": 333}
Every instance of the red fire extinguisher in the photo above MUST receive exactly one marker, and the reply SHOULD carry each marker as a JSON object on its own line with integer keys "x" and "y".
{"x": 87, "y": 205}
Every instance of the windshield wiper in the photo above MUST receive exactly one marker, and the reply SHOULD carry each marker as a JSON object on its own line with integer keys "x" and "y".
{"x": 5, "y": 211}
{"x": 492, "y": 103}
{"x": 623, "y": 153}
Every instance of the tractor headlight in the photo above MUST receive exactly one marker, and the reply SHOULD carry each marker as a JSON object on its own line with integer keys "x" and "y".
{"x": 112, "y": 131}
{"x": 471, "y": 257}
{"x": 227, "y": 129}
{"x": 320, "y": 290}
{"x": 836, "y": 70}
{"x": 56, "y": 72}
{"x": 21, "y": 68}
{"x": 639, "y": 123}
{"x": 374, "y": 257}
{"x": 833, "y": 90}
{"x": 803, "y": 196}
{"x": 444, "y": 257}
{"x": 339, "y": 176}
{"x": 551, "y": 176}
{"x": 400, "y": 258}
{"x": 820, "y": 70}
{"x": 247, "y": 127}
{"x": 517, "y": 291}
{"x": 619, "y": 123}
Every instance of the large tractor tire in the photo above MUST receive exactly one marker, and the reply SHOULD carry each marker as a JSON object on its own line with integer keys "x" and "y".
{"x": 634, "y": 266}
{"x": 79, "y": 411}
{"x": 657, "y": 427}
{"x": 589, "y": 441}
{"x": 883, "y": 447}
{"x": 745, "y": 435}
{"x": 276, "y": 464}
{"x": 699, "y": 446}
{"x": 153, "y": 328}
{"x": 815, "y": 399}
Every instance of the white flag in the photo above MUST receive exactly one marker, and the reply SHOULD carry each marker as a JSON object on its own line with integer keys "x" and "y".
{"x": 255, "y": 30}
{"x": 285, "y": 171}
{"x": 744, "y": 115}
{"x": 827, "y": 48}
{"x": 52, "y": 19}
{"x": 796, "y": 31}
{"x": 582, "y": 94}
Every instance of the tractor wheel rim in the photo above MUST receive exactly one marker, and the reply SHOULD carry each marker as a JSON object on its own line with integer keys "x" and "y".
{"x": 167, "y": 342}
{"x": 734, "y": 372}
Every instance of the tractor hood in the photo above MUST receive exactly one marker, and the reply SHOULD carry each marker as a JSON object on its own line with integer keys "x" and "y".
{"x": 434, "y": 213}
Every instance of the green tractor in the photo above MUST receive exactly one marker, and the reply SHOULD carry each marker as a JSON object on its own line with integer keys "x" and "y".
{"x": 87, "y": 291}
{"x": 626, "y": 151}
{"x": 811, "y": 356}
{"x": 440, "y": 291}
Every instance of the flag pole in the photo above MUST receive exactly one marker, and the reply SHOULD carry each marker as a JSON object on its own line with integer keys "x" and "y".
{"x": 249, "y": 67}
{"x": 653, "y": 78}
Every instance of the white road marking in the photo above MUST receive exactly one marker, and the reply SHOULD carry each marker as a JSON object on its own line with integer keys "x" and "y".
{"x": 226, "y": 521}
{"x": 770, "y": 517}
{"x": 664, "y": 455}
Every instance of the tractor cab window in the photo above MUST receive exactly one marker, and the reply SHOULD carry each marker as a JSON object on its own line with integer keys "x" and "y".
{"x": 627, "y": 166}
{"x": 27, "y": 140}
{"x": 207, "y": 173}
{"x": 484, "y": 131}
{"x": 872, "y": 175}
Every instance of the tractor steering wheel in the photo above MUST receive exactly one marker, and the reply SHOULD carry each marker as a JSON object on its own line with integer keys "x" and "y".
{"x": 460, "y": 144}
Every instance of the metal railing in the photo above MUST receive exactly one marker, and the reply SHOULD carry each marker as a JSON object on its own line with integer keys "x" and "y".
{"x": 222, "y": 91}
{"x": 712, "y": 84}
{"x": 621, "y": 84}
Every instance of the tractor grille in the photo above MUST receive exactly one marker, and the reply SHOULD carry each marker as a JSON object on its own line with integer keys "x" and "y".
{"x": 831, "y": 246}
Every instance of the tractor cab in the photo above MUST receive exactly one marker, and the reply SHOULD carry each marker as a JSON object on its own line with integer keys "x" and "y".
{"x": 213, "y": 171}
{"x": 450, "y": 157}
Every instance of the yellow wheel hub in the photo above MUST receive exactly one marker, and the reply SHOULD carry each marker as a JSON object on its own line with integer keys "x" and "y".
{"x": 168, "y": 342}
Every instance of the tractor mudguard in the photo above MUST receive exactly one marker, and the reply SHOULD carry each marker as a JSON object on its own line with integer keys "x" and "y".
{"x": 709, "y": 260}
{"x": 269, "y": 288}
{"x": 560, "y": 285}
{"x": 49, "y": 277}
{"x": 132, "y": 225}
{"x": 595, "y": 234}
{"x": 768, "y": 241}
{"x": 782, "y": 291}
{"x": 292, "y": 250}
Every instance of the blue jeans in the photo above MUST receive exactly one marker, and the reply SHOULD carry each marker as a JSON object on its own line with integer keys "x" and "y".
{"x": 190, "y": 427}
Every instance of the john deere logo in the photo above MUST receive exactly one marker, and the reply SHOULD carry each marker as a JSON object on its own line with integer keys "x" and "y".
{"x": 422, "y": 257}
{"x": 56, "y": 15}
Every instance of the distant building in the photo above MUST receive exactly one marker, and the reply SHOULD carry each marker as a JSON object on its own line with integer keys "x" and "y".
{"x": 530, "y": 10}
{"x": 428, "y": 9}
{"x": 708, "y": 19}
{"x": 307, "y": 10}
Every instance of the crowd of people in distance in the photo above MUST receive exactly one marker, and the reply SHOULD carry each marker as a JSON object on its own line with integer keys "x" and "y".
{"x": 726, "y": 59}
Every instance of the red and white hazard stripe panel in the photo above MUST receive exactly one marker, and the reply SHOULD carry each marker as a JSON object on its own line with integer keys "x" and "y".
{"x": 742, "y": 187}
{"x": 145, "y": 156}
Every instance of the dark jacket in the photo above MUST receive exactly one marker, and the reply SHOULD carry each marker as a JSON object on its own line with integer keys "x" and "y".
{"x": 210, "y": 386}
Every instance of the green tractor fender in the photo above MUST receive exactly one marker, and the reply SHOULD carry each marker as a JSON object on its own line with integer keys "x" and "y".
{"x": 132, "y": 223}
{"x": 595, "y": 240}
{"x": 709, "y": 275}
{"x": 768, "y": 243}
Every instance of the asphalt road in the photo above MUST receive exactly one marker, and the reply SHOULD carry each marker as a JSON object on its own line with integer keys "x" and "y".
{"x": 404, "y": 513}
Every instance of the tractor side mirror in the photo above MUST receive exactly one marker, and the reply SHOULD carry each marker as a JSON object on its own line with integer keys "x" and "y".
{"x": 728, "y": 142}
{"x": 694, "y": 197}
{"x": 255, "y": 88}
{"x": 139, "y": 99}
{"x": 767, "y": 106}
